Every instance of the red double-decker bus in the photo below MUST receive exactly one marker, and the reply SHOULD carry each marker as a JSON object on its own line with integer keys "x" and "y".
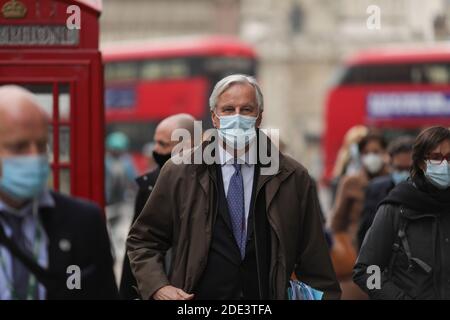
{"x": 146, "y": 82}
{"x": 399, "y": 90}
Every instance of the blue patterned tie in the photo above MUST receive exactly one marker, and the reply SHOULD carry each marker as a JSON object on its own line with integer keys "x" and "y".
{"x": 235, "y": 199}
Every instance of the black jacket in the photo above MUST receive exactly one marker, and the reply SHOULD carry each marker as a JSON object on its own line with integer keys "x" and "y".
{"x": 77, "y": 236}
{"x": 83, "y": 224}
{"x": 415, "y": 263}
{"x": 145, "y": 183}
{"x": 376, "y": 191}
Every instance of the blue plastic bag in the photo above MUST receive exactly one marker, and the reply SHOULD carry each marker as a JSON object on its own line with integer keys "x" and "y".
{"x": 301, "y": 291}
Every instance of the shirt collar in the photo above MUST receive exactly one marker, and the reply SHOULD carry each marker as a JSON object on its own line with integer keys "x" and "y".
{"x": 45, "y": 199}
{"x": 248, "y": 158}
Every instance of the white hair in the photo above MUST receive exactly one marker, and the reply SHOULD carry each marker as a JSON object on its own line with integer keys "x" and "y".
{"x": 226, "y": 82}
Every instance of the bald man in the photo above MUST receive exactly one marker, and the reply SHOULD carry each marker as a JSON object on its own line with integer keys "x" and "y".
{"x": 161, "y": 153}
{"x": 44, "y": 234}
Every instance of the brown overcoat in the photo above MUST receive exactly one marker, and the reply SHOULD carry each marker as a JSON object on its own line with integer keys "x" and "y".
{"x": 180, "y": 213}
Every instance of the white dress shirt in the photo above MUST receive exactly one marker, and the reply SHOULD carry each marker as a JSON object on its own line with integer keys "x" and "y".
{"x": 247, "y": 161}
{"x": 30, "y": 224}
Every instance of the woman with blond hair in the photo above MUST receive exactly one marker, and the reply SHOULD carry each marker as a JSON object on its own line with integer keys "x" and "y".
{"x": 349, "y": 150}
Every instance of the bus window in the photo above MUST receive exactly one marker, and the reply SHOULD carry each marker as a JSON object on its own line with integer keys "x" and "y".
{"x": 396, "y": 73}
{"x": 229, "y": 65}
{"x": 437, "y": 73}
{"x": 381, "y": 74}
{"x": 121, "y": 71}
{"x": 164, "y": 69}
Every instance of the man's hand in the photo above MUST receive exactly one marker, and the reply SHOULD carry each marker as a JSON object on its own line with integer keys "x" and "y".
{"x": 171, "y": 293}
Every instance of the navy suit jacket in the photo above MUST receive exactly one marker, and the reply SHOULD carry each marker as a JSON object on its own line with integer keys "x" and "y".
{"x": 78, "y": 236}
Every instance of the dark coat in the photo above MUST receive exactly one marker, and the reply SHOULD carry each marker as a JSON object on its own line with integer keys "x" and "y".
{"x": 376, "y": 191}
{"x": 145, "y": 184}
{"x": 425, "y": 274}
{"x": 82, "y": 224}
{"x": 181, "y": 211}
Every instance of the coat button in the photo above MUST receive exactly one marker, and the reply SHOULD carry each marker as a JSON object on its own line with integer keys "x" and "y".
{"x": 65, "y": 245}
{"x": 446, "y": 239}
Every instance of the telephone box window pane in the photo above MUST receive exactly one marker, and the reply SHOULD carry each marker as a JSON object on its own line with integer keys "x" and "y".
{"x": 64, "y": 144}
{"x": 64, "y": 181}
{"x": 64, "y": 102}
{"x": 50, "y": 144}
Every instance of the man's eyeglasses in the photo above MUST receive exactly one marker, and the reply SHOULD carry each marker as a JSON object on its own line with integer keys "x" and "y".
{"x": 437, "y": 158}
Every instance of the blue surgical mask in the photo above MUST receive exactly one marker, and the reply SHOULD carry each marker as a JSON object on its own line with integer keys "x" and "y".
{"x": 24, "y": 177}
{"x": 237, "y": 130}
{"x": 438, "y": 174}
{"x": 399, "y": 176}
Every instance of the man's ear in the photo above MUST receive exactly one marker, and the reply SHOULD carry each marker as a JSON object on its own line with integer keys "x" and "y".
{"x": 259, "y": 119}
{"x": 215, "y": 120}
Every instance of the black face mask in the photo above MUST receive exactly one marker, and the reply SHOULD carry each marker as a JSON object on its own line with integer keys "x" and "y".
{"x": 160, "y": 159}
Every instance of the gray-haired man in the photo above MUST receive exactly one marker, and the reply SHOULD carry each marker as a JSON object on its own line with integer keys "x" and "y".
{"x": 236, "y": 233}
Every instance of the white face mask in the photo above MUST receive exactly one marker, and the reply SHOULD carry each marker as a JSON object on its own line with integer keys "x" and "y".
{"x": 372, "y": 162}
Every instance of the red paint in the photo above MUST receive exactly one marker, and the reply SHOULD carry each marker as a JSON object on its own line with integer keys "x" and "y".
{"x": 159, "y": 99}
{"x": 185, "y": 47}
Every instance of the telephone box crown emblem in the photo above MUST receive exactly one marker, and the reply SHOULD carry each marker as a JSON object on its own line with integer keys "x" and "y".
{"x": 14, "y": 9}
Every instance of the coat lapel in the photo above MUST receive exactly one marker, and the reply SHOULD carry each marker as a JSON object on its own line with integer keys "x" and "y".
{"x": 206, "y": 174}
{"x": 273, "y": 182}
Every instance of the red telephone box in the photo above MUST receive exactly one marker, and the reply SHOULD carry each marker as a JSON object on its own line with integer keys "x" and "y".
{"x": 51, "y": 48}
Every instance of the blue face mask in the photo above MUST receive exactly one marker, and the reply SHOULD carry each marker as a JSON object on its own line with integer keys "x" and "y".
{"x": 237, "y": 130}
{"x": 399, "y": 176}
{"x": 439, "y": 174}
{"x": 24, "y": 177}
